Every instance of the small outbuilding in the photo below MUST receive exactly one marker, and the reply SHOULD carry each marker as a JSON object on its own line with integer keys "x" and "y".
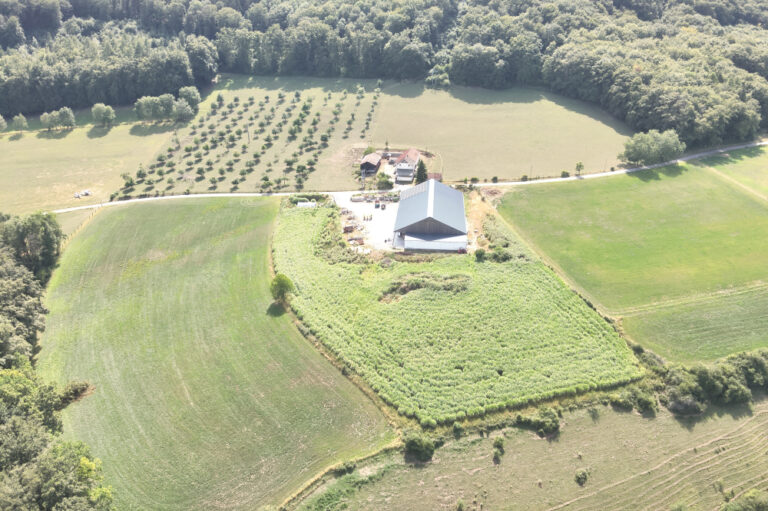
{"x": 370, "y": 163}
{"x": 430, "y": 216}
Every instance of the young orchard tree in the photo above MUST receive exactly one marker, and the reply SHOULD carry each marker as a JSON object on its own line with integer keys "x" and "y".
{"x": 280, "y": 288}
{"x": 579, "y": 168}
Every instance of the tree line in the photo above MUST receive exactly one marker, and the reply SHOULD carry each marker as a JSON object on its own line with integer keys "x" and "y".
{"x": 37, "y": 469}
{"x": 698, "y": 67}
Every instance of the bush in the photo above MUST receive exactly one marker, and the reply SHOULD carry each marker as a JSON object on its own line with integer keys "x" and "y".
{"x": 480, "y": 255}
{"x": 73, "y": 391}
{"x": 498, "y": 443}
{"x": 581, "y": 477}
{"x": 565, "y": 173}
{"x": 458, "y": 430}
{"x": 345, "y": 468}
{"x": 280, "y": 287}
{"x": 419, "y": 447}
{"x": 497, "y": 454}
{"x": 383, "y": 182}
{"x": 545, "y": 422}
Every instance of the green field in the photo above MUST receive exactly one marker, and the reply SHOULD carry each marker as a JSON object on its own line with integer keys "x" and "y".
{"x": 42, "y": 170}
{"x": 678, "y": 252}
{"x": 484, "y": 133}
{"x": 634, "y": 463}
{"x": 452, "y": 337}
{"x": 748, "y": 167}
{"x": 205, "y": 396}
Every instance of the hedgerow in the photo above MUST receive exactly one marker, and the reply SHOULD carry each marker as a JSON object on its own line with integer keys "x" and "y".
{"x": 475, "y": 338}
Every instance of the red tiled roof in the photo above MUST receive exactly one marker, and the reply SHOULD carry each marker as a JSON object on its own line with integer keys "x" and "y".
{"x": 411, "y": 155}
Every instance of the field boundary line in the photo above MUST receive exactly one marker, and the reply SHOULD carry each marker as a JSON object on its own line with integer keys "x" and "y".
{"x": 695, "y": 298}
{"x": 304, "y": 492}
{"x": 659, "y": 465}
{"x": 737, "y": 183}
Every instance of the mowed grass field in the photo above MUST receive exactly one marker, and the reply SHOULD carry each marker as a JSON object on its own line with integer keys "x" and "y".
{"x": 204, "y": 395}
{"x": 43, "y": 171}
{"x": 679, "y": 253}
{"x": 634, "y": 464}
{"x": 511, "y": 133}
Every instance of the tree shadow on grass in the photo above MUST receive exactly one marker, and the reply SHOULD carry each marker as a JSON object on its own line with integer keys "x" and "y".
{"x": 656, "y": 174}
{"x": 275, "y": 310}
{"x": 145, "y": 130}
{"x": 736, "y": 411}
{"x": 15, "y": 136}
{"x": 732, "y": 157}
{"x": 54, "y": 134}
{"x": 98, "y": 131}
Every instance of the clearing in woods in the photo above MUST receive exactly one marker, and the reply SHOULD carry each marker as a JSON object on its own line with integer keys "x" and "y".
{"x": 677, "y": 253}
{"x": 451, "y": 337}
{"x": 634, "y": 463}
{"x": 505, "y": 133}
{"x": 205, "y": 395}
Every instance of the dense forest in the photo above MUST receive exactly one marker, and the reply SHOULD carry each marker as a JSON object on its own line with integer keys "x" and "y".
{"x": 699, "y": 67}
{"x": 37, "y": 469}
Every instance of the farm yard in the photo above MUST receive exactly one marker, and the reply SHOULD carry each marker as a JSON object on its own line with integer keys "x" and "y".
{"x": 446, "y": 338}
{"x": 677, "y": 253}
{"x": 165, "y": 309}
{"x": 632, "y": 463}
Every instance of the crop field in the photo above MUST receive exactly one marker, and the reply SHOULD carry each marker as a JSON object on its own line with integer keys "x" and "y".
{"x": 41, "y": 170}
{"x": 267, "y": 134}
{"x": 205, "y": 395}
{"x": 679, "y": 252}
{"x": 633, "y": 463}
{"x": 449, "y": 338}
{"x": 484, "y": 133}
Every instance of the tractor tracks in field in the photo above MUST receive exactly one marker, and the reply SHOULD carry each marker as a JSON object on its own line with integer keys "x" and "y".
{"x": 698, "y": 298}
{"x": 730, "y": 454}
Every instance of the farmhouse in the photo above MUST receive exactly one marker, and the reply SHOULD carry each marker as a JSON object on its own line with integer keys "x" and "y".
{"x": 405, "y": 165}
{"x": 431, "y": 217}
{"x": 370, "y": 163}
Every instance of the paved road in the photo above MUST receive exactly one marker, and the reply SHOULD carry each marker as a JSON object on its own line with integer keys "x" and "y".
{"x": 695, "y": 156}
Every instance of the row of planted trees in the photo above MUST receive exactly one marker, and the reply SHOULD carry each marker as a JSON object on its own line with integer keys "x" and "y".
{"x": 165, "y": 107}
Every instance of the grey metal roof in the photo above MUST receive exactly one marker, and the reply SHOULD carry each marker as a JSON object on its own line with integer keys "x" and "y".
{"x": 431, "y": 199}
